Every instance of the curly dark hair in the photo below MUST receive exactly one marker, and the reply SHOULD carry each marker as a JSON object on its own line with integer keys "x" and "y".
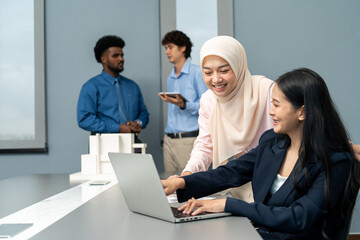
{"x": 179, "y": 39}
{"x": 106, "y": 42}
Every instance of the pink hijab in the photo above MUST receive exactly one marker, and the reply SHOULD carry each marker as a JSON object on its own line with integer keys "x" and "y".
{"x": 236, "y": 118}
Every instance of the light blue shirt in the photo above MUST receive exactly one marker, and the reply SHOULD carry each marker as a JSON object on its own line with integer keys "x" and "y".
{"x": 190, "y": 84}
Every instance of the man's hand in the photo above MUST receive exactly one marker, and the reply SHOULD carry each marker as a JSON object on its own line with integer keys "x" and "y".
{"x": 178, "y": 101}
{"x": 130, "y": 127}
{"x": 134, "y": 126}
{"x": 124, "y": 128}
{"x": 214, "y": 206}
{"x": 172, "y": 184}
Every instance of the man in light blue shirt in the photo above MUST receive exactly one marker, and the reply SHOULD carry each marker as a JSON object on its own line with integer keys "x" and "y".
{"x": 182, "y": 120}
{"x": 109, "y": 102}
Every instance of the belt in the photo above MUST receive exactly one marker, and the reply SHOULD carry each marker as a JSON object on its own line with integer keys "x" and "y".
{"x": 183, "y": 134}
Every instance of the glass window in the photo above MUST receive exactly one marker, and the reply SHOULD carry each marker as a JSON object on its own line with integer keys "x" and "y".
{"x": 199, "y": 21}
{"x": 22, "y": 108}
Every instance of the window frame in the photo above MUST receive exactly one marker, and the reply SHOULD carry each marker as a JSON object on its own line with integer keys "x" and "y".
{"x": 39, "y": 143}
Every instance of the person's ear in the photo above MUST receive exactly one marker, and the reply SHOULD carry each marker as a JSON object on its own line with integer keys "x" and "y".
{"x": 102, "y": 59}
{"x": 182, "y": 49}
{"x": 103, "y": 56}
{"x": 302, "y": 113}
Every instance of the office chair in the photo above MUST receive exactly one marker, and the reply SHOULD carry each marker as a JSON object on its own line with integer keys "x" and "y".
{"x": 343, "y": 233}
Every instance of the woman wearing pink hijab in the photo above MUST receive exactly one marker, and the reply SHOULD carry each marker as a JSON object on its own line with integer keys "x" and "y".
{"x": 233, "y": 112}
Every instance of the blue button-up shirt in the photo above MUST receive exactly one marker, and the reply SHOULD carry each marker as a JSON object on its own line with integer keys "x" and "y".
{"x": 190, "y": 84}
{"x": 98, "y": 108}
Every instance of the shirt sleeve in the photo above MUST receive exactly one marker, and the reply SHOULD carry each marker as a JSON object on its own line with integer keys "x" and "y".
{"x": 143, "y": 112}
{"x": 87, "y": 113}
{"x": 201, "y": 155}
{"x": 200, "y": 88}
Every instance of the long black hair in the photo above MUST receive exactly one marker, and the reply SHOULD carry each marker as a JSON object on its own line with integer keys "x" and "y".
{"x": 322, "y": 131}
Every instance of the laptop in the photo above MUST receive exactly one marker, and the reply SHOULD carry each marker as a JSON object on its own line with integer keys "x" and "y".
{"x": 141, "y": 187}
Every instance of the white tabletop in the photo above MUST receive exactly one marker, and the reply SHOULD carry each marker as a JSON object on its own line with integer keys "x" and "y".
{"x": 106, "y": 216}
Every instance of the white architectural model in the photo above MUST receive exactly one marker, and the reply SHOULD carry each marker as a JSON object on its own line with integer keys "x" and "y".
{"x": 96, "y": 164}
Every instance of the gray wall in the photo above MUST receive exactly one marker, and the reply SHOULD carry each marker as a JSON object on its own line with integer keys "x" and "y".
{"x": 323, "y": 35}
{"x": 72, "y": 28}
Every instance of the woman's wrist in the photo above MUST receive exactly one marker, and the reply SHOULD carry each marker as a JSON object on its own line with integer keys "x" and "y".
{"x": 186, "y": 173}
{"x": 180, "y": 183}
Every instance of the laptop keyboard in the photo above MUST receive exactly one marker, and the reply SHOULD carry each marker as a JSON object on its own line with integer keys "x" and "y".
{"x": 180, "y": 214}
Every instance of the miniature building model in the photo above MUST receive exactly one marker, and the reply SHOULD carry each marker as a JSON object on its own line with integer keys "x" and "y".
{"x": 96, "y": 164}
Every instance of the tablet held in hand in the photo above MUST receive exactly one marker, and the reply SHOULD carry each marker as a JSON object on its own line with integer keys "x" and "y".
{"x": 173, "y": 95}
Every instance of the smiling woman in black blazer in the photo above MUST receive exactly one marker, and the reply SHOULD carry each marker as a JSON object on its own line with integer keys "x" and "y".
{"x": 305, "y": 180}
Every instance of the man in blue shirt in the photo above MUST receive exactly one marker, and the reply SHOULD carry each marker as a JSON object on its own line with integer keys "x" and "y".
{"x": 109, "y": 102}
{"x": 182, "y": 125}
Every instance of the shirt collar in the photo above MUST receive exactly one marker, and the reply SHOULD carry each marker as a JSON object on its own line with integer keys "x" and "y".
{"x": 185, "y": 69}
{"x": 110, "y": 78}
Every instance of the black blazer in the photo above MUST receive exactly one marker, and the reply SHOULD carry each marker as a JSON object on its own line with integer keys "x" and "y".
{"x": 287, "y": 213}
